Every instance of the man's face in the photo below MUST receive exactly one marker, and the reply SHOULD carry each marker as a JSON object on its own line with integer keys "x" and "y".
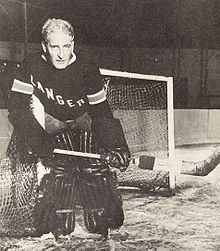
{"x": 59, "y": 49}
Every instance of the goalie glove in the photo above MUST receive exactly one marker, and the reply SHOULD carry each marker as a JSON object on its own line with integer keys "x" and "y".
{"x": 119, "y": 158}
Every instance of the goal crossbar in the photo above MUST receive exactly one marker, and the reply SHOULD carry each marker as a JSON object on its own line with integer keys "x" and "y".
{"x": 125, "y": 74}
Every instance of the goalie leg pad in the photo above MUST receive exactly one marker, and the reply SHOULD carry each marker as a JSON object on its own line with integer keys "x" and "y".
{"x": 45, "y": 213}
{"x": 95, "y": 217}
{"x": 55, "y": 205}
{"x": 114, "y": 202}
{"x": 65, "y": 205}
{"x": 102, "y": 204}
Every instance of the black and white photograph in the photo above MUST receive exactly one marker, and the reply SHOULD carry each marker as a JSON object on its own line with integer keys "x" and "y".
{"x": 109, "y": 125}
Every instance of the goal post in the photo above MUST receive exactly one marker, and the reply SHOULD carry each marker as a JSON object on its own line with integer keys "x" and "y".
{"x": 144, "y": 104}
{"x": 171, "y": 140}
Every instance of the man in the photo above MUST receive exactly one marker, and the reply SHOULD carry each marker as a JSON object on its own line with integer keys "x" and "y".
{"x": 57, "y": 100}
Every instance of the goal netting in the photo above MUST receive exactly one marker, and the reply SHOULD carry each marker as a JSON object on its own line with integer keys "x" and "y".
{"x": 144, "y": 105}
{"x": 18, "y": 191}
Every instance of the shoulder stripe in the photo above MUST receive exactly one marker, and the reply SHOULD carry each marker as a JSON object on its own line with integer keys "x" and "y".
{"x": 97, "y": 98}
{"x": 22, "y": 87}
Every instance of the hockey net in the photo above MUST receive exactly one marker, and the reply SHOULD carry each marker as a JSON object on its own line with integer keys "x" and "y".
{"x": 144, "y": 105}
{"x": 18, "y": 190}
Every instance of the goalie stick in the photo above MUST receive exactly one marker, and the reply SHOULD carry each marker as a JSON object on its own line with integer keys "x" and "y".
{"x": 198, "y": 168}
{"x": 80, "y": 154}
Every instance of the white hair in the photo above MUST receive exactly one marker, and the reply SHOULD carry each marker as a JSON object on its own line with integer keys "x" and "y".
{"x": 52, "y": 25}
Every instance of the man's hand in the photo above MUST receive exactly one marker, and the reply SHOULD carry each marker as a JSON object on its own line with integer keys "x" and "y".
{"x": 119, "y": 158}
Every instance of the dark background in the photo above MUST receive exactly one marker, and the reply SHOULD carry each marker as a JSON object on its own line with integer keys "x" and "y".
{"x": 119, "y": 23}
{"x": 123, "y": 24}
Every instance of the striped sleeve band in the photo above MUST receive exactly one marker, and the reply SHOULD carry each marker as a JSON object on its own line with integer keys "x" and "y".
{"x": 97, "y": 98}
{"x": 22, "y": 87}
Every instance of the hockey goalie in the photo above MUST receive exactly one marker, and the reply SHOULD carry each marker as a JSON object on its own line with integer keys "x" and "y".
{"x": 57, "y": 100}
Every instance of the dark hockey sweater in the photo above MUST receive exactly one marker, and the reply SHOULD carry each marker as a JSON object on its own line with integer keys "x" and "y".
{"x": 64, "y": 94}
